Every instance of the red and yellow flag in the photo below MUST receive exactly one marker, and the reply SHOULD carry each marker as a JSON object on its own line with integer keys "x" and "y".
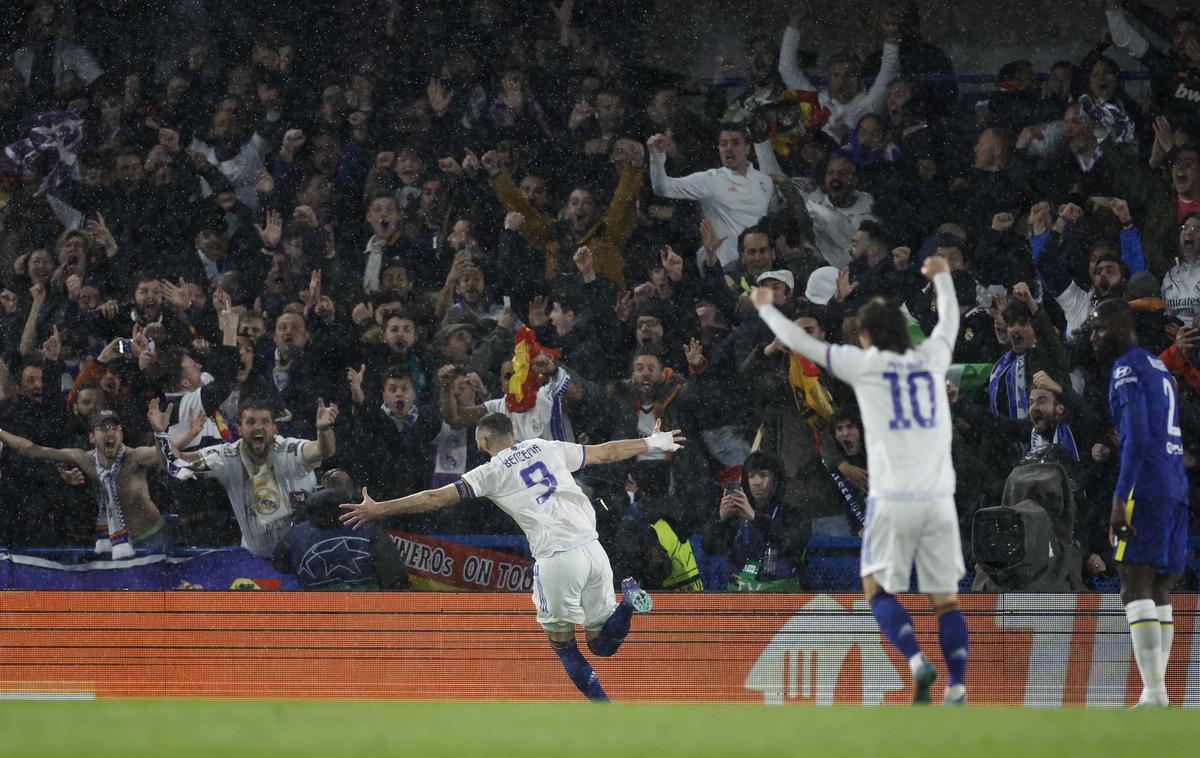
{"x": 523, "y": 385}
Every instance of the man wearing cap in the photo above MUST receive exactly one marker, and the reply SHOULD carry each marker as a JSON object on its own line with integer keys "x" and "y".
{"x": 455, "y": 342}
{"x": 753, "y": 333}
{"x": 127, "y": 517}
{"x": 780, "y": 282}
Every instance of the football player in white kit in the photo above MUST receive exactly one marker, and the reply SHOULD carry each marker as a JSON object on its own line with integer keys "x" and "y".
{"x": 532, "y": 482}
{"x": 901, "y": 393}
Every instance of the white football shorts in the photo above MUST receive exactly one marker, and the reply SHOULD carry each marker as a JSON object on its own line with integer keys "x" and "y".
{"x": 898, "y": 534}
{"x": 574, "y": 587}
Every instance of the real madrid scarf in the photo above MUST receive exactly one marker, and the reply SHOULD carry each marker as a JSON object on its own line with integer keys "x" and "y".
{"x": 1010, "y": 370}
{"x": 111, "y": 534}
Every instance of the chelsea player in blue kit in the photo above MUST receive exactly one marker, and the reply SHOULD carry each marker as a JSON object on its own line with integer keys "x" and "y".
{"x": 1149, "y": 509}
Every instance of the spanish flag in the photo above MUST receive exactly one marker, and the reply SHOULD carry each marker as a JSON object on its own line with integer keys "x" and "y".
{"x": 813, "y": 400}
{"x": 523, "y": 386}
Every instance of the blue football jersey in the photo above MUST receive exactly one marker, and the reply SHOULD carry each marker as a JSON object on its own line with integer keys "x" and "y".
{"x": 1137, "y": 376}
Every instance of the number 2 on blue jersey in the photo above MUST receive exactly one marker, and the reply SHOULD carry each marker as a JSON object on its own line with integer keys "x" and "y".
{"x": 924, "y": 417}
{"x": 1173, "y": 429}
{"x": 537, "y": 475}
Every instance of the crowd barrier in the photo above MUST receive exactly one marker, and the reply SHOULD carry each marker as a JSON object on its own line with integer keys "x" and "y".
{"x": 448, "y": 563}
{"x": 1034, "y": 650}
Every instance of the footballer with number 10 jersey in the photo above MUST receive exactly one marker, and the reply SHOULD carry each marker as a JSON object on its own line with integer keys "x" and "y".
{"x": 906, "y": 423}
{"x": 911, "y": 516}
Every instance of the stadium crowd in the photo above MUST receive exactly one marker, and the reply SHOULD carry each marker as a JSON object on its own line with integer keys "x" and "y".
{"x": 366, "y": 225}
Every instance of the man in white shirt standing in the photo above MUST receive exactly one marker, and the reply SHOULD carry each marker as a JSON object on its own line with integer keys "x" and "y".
{"x": 844, "y": 95}
{"x": 837, "y": 210}
{"x": 733, "y": 197}
{"x": 532, "y": 482}
{"x": 911, "y": 517}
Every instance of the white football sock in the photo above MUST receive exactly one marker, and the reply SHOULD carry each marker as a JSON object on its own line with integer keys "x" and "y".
{"x": 1166, "y": 626}
{"x": 915, "y": 663}
{"x": 1144, "y": 631}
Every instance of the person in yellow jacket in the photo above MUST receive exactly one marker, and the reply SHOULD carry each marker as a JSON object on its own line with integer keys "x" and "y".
{"x": 580, "y": 223}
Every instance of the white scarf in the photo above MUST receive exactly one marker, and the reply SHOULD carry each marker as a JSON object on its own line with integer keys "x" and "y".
{"x": 111, "y": 534}
{"x": 450, "y": 461}
{"x": 374, "y": 265}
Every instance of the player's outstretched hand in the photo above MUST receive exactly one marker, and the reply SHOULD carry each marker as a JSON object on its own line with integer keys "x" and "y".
{"x": 358, "y": 514}
{"x": 934, "y": 265}
{"x": 761, "y": 297}
{"x": 665, "y": 441}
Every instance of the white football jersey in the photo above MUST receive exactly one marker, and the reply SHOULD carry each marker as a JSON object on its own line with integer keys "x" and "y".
{"x": 532, "y": 482}
{"x": 902, "y": 399}
{"x": 905, "y": 416}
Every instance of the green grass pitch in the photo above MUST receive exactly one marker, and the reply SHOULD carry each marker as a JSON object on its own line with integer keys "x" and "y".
{"x": 230, "y": 729}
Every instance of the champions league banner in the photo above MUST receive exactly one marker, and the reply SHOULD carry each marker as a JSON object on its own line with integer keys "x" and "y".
{"x": 218, "y": 570}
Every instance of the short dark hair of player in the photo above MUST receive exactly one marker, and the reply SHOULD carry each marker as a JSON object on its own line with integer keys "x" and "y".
{"x": 496, "y": 426}
{"x": 1118, "y": 312}
{"x": 1017, "y": 312}
{"x": 255, "y": 403}
{"x": 741, "y": 129}
{"x": 883, "y": 322}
